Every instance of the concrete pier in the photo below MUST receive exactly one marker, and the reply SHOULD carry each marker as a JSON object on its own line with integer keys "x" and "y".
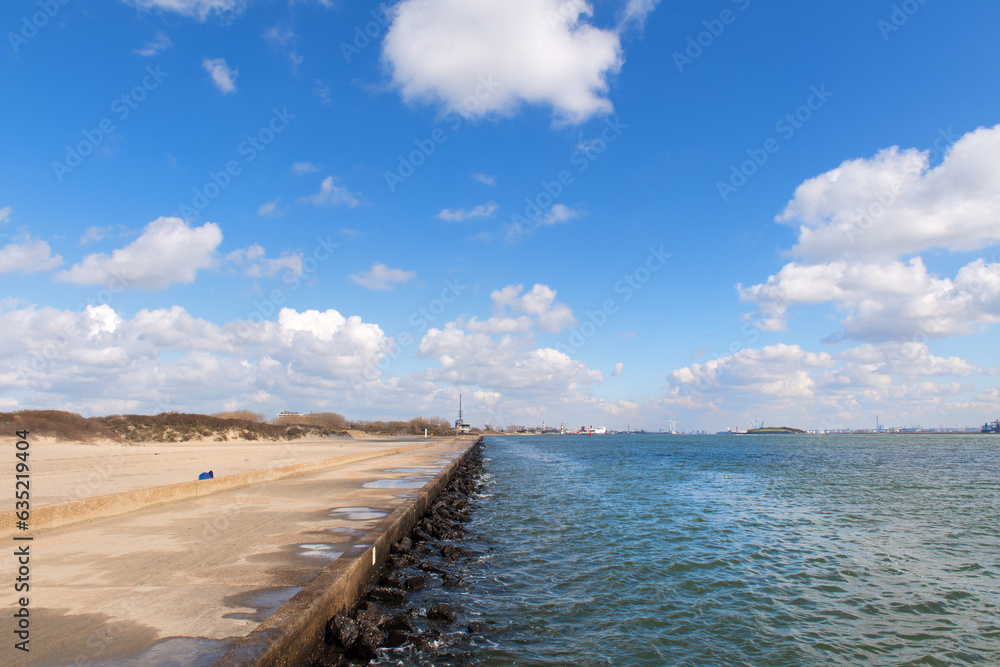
{"x": 185, "y": 580}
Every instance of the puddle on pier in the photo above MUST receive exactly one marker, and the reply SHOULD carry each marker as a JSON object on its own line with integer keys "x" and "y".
{"x": 193, "y": 651}
{"x": 264, "y": 601}
{"x": 412, "y": 482}
{"x": 320, "y": 550}
{"x": 357, "y": 513}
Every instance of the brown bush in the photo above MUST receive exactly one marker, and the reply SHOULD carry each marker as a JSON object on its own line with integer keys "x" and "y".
{"x": 245, "y": 415}
{"x": 333, "y": 420}
{"x": 56, "y": 423}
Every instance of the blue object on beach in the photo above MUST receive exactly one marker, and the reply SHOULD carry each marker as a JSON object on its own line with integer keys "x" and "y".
{"x": 206, "y": 475}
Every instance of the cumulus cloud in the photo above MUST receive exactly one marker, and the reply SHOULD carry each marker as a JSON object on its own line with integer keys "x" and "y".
{"x": 381, "y": 277}
{"x": 168, "y": 251}
{"x": 93, "y": 358}
{"x": 461, "y": 215}
{"x": 540, "y": 303}
{"x": 859, "y": 221}
{"x": 619, "y": 370}
{"x": 5, "y": 214}
{"x": 492, "y": 56}
{"x": 885, "y": 301}
{"x": 902, "y": 379}
{"x": 27, "y": 255}
{"x": 331, "y": 194}
{"x": 200, "y": 9}
{"x": 510, "y": 363}
{"x": 223, "y": 77}
{"x": 894, "y": 204}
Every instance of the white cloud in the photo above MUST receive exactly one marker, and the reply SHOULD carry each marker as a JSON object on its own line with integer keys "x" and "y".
{"x": 558, "y": 213}
{"x": 859, "y": 221}
{"x": 381, "y": 277}
{"x": 636, "y": 11}
{"x": 168, "y": 251}
{"x": 252, "y": 262}
{"x": 491, "y": 56}
{"x": 904, "y": 382}
{"x": 510, "y": 364}
{"x": 27, "y": 255}
{"x": 461, "y": 215}
{"x": 485, "y": 179}
{"x": 160, "y": 43}
{"x": 619, "y": 370}
{"x": 270, "y": 209}
{"x": 199, "y": 9}
{"x": 5, "y": 214}
{"x": 885, "y": 301}
{"x": 540, "y": 303}
{"x": 894, "y": 204}
{"x": 305, "y": 167}
{"x": 223, "y": 77}
{"x": 279, "y": 36}
{"x": 331, "y": 194}
{"x": 93, "y": 359}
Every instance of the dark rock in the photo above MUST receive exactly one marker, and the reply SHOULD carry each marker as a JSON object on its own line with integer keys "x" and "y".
{"x": 400, "y": 622}
{"x": 405, "y": 545}
{"x": 475, "y": 627}
{"x": 330, "y": 657}
{"x": 451, "y": 581}
{"x": 392, "y": 580}
{"x": 371, "y": 613}
{"x": 422, "y": 535}
{"x": 387, "y": 595}
{"x": 415, "y": 583}
{"x": 395, "y": 638}
{"x": 441, "y": 612}
{"x": 341, "y": 631}
{"x": 451, "y": 552}
{"x": 427, "y": 567}
{"x": 423, "y": 549}
{"x": 365, "y": 647}
{"x": 400, "y": 561}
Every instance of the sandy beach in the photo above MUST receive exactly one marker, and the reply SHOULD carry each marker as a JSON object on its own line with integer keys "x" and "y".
{"x": 65, "y": 471}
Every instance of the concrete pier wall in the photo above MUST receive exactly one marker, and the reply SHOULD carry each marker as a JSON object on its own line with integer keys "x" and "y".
{"x": 289, "y": 635}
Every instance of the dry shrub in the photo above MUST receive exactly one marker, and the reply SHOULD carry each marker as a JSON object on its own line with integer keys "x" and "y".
{"x": 245, "y": 415}
{"x": 332, "y": 420}
{"x": 56, "y": 423}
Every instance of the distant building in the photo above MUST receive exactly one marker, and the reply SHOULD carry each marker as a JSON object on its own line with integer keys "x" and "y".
{"x": 289, "y": 417}
{"x": 461, "y": 426}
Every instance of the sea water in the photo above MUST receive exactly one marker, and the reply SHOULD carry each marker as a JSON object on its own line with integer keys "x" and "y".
{"x": 737, "y": 550}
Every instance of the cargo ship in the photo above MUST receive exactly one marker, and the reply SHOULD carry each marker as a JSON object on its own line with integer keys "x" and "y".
{"x": 991, "y": 428}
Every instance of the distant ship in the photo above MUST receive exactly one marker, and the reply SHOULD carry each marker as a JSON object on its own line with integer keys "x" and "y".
{"x": 991, "y": 428}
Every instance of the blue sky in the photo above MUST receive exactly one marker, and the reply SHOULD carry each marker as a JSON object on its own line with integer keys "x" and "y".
{"x": 609, "y": 213}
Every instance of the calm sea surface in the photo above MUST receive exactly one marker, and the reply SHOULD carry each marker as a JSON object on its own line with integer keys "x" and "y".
{"x": 738, "y": 550}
